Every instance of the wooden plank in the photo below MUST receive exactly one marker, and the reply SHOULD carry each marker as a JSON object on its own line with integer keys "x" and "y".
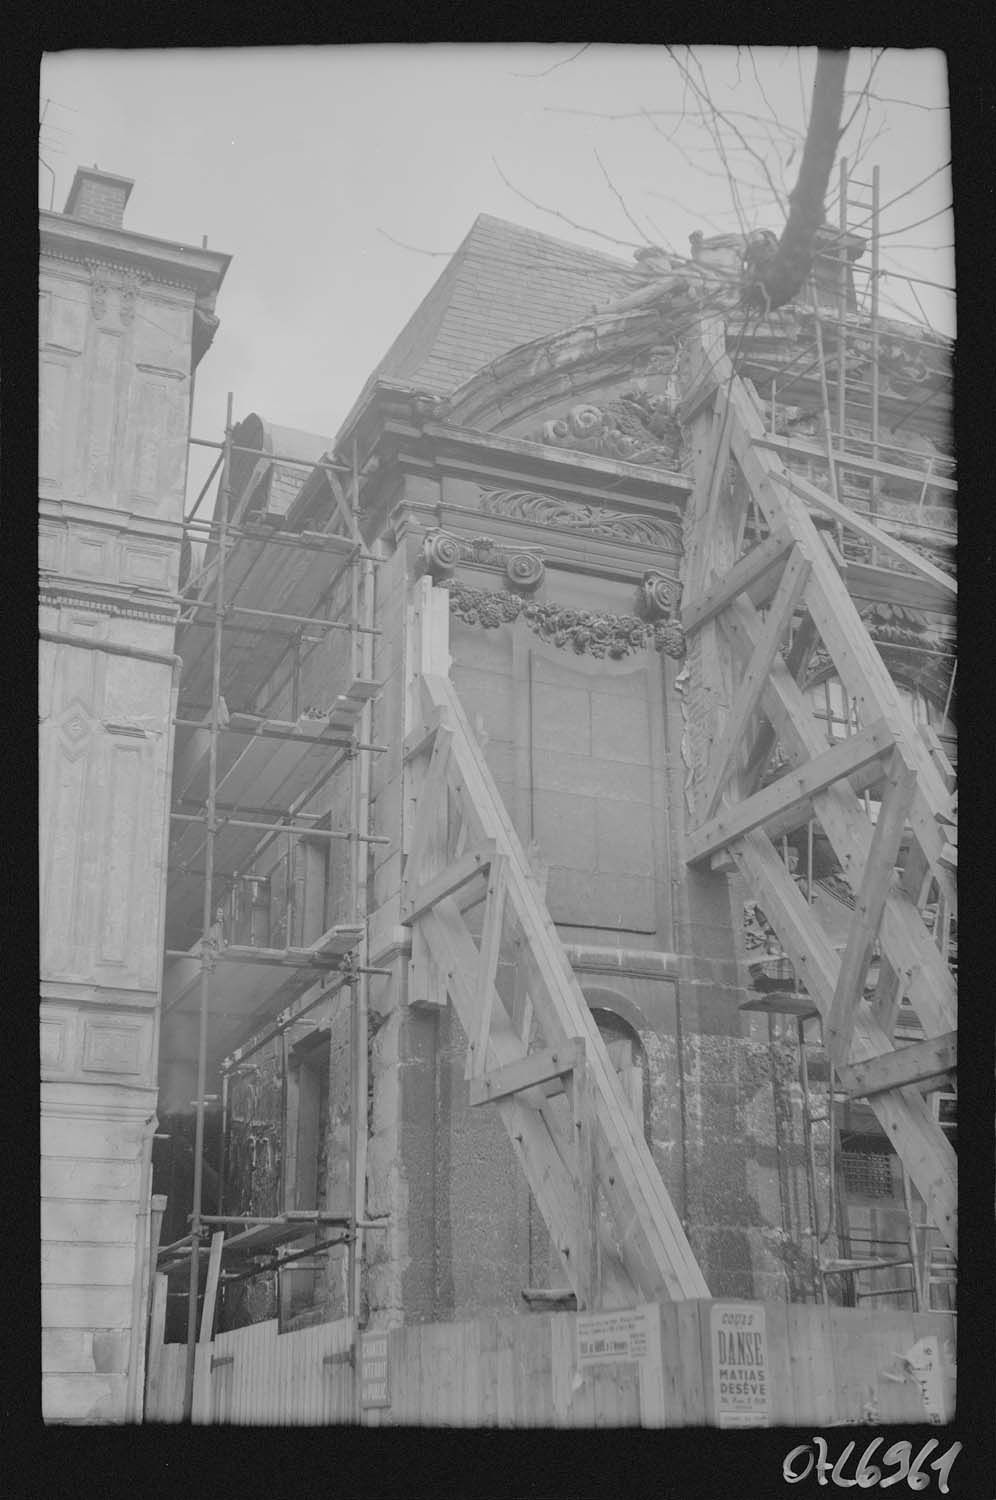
{"x": 843, "y": 633}
{"x": 869, "y": 904}
{"x": 781, "y": 1392}
{"x": 860, "y": 463}
{"x": 211, "y": 1287}
{"x": 487, "y": 1367}
{"x": 778, "y": 619}
{"x": 811, "y": 1360}
{"x": 539, "y": 1067}
{"x": 917, "y": 1063}
{"x": 906, "y": 943}
{"x": 880, "y": 539}
{"x": 157, "y": 1331}
{"x": 792, "y": 793}
{"x": 426, "y": 811}
{"x": 447, "y": 882}
{"x": 532, "y": 1131}
{"x": 657, "y": 1249}
{"x": 562, "y": 1343}
{"x": 904, "y": 1116}
{"x": 490, "y": 950}
{"x": 587, "y": 1288}
{"x": 743, "y": 576}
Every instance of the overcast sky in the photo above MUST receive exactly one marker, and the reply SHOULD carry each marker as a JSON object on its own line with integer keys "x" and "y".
{"x": 299, "y": 161}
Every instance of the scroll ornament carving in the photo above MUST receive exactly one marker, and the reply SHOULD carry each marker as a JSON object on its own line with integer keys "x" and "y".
{"x": 441, "y": 553}
{"x": 129, "y": 296}
{"x": 584, "y": 631}
{"x": 99, "y": 287}
{"x": 660, "y": 601}
{"x": 593, "y": 520}
{"x": 636, "y": 428}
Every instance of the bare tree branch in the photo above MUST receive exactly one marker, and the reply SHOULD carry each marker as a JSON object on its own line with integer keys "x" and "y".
{"x": 444, "y": 254}
{"x": 704, "y": 96}
{"x": 585, "y": 228}
{"x": 553, "y": 68}
{"x": 620, "y": 200}
{"x": 863, "y": 93}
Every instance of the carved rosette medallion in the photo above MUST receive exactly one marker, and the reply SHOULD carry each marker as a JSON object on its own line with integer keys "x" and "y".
{"x": 524, "y": 570}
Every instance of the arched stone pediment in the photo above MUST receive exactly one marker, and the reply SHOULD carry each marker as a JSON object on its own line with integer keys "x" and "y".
{"x": 606, "y": 387}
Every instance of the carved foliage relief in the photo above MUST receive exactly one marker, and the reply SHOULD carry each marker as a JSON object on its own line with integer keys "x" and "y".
{"x": 637, "y": 427}
{"x": 592, "y": 520}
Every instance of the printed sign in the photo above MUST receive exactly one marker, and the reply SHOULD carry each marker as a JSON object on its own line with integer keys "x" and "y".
{"x": 612, "y": 1337}
{"x": 928, "y": 1368}
{"x": 739, "y": 1364}
{"x": 375, "y": 1372}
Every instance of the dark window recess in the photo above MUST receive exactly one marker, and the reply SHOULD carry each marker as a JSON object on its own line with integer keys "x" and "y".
{"x": 246, "y": 914}
{"x": 306, "y": 1168}
{"x": 870, "y": 1174}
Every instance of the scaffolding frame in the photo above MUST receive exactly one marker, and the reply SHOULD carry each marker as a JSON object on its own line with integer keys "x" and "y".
{"x": 883, "y": 460}
{"x": 348, "y": 738}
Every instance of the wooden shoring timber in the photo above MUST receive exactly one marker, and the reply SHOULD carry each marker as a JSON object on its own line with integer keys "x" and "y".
{"x": 551, "y": 1065}
{"x": 843, "y": 632}
{"x": 785, "y": 803}
{"x": 907, "y": 1121}
{"x": 854, "y": 521}
{"x": 758, "y": 564}
{"x": 457, "y": 874}
{"x": 536, "y": 1133}
{"x": 927, "y": 1064}
{"x": 904, "y": 939}
{"x": 583, "y": 1108}
{"x": 777, "y": 621}
{"x": 869, "y": 903}
{"x": 656, "y": 1253}
{"x": 490, "y": 951}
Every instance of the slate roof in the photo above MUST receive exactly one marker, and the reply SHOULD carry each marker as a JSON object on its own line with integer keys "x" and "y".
{"x": 504, "y": 286}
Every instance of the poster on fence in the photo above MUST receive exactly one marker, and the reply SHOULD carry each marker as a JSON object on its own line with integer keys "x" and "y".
{"x": 739, "y": 1348}
{"x": 375, "y": 1372}
{"x": 612, "y": 1337}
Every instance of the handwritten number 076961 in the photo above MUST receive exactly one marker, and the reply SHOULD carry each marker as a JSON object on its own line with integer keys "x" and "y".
{"x": 801, "y": 1460}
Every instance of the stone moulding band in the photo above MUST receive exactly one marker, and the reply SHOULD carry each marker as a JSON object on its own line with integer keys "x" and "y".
{"x": 584, "y": 631}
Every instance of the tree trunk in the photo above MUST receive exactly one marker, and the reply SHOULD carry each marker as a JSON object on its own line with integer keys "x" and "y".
{"x": 785, "y": 274}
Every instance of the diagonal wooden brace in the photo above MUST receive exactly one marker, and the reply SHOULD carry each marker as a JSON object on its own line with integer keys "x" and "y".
{"x": 777, "y": 621}
{"x": 869, "y": 904}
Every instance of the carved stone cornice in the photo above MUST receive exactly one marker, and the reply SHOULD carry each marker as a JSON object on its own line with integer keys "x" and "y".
{"x": 442, "y": 552}
{"x": 188, "y": 267}
{"x": 591, "y": 520}
{"x": 585, "y": 631}
{"x": 58, "y": 594}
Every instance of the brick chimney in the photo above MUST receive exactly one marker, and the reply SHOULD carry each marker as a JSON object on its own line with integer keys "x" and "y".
{"x": 98, "y": 197}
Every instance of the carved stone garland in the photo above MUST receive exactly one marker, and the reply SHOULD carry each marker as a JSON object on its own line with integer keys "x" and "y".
{"x": 585, "y": 631}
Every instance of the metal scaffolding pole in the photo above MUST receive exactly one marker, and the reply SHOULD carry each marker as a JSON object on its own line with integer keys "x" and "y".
{"x": 207, "y": 942}
{"x": 216, "y": 816}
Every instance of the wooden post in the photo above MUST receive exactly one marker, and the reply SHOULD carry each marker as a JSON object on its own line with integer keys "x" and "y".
{"x": 157, "y": 1331}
